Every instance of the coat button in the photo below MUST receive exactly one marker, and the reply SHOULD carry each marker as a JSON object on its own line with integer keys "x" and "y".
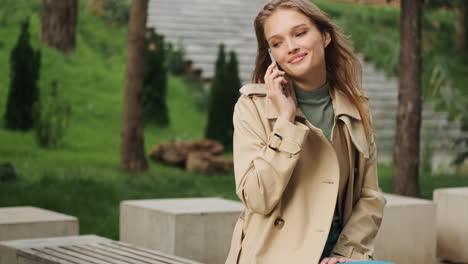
{"x": 279, "y": 222}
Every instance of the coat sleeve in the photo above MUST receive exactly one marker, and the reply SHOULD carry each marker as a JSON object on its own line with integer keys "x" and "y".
{"x": 263, "y": 161}
{"x": 356, "y": 240}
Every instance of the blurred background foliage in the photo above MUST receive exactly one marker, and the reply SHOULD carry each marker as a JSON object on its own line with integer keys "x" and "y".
{"x": 375, "y": 33}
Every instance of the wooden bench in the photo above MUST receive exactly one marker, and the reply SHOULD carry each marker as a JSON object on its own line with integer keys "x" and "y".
{"x": 26, "y": 222}
{"x": 80, "y": 250}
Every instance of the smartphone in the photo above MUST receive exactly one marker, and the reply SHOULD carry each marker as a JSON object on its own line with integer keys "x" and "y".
{"x": 276, "y": 66}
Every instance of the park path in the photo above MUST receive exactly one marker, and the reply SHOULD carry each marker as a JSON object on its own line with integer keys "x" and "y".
{"x": 201, "y": 25}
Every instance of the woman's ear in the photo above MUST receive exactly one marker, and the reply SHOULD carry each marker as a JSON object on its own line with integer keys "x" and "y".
{"x": 326, "y": 39}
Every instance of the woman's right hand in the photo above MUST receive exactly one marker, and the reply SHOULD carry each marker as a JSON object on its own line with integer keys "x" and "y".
{"x": 335, "y": 260}
{"x": 285, "y": 105}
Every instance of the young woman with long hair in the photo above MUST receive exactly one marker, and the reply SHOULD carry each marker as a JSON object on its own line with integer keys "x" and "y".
{"x": 304, "y": 151}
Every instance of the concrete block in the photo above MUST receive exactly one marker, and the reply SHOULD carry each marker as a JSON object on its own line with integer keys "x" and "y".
{"x": 452, "y": 224}
{"x": 408, "y": 231}
{"x": 80, "y": 249}
{"x": 195, "y": 228}
{"x": 32, "y": 222}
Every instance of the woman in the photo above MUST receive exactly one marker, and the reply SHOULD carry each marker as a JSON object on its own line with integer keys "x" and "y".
{"x": 305, "y": 157}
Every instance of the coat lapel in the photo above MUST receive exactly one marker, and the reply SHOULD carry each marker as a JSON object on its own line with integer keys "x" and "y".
{"x": 342, "y": 108}
{"x": 348, "y": 113}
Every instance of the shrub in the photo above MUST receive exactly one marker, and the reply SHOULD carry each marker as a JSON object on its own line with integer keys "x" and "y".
{"x": 24, "y": 91}
{"x": 175, "y": 59}
{"x": 224, "y": 94}
{"x": 7, "y": 172}
{"x": 117, "y": 11}
{"x": 155, "y": 81}
{"x": 53, "y": 119}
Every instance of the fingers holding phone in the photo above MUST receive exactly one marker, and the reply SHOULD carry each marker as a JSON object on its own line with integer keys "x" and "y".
{"x": 275, "y": 79}
{"x": 278, "y": 90}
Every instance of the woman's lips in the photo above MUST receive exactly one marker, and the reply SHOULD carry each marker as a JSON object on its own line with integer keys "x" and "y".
{"x": 298, "y": 59}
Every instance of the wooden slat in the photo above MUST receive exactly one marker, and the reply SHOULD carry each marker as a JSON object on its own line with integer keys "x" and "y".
{"x": 66, "y": 251}
{"x": 111, "y": 255}
{"x": 24, "y": 260}
{"x": 61, "y": 256}
{"x": 142, "y": 253}
{"x": 93, "y": 254}
{"x": 112, "y": 252}
{"x": 39, "y": 257}
{"x": 150, "y": 253}
{"x": 159, "y": 253}
{"x": 110, "y": 249}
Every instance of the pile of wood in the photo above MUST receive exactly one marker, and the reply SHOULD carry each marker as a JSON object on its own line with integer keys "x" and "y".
{"x": 199, "y": 156}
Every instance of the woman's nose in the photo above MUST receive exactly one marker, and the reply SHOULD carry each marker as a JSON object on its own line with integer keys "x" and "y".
{"x": 292, "y": 46}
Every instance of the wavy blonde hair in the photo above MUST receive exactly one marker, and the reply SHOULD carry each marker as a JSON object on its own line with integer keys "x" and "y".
{"x": 342, "y": 66}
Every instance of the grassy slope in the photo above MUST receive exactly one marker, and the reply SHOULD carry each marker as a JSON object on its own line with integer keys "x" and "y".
{"x": 82, "y": 178}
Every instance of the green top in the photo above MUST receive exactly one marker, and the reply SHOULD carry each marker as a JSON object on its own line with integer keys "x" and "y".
{"x": 317, "y": 107}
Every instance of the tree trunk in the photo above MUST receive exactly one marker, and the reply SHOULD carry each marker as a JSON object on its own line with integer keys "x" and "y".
{"x": 461, "y": 27}
{"x": 58, "y": 24}
{"x": 406, "y": 169}
{"x": 132, "y": 152}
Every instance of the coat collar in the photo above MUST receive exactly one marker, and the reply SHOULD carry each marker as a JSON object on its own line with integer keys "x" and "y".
{"x": 342, "y": 107}
{"x": 341, "y": 104}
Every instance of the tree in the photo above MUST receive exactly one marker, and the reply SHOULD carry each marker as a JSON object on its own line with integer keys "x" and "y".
{"x": 132, "y": 153}
{"x": 461, "y": 26}
{"x": 52, "y": 118}
{"x": 24, "y": 92}
{"x": 231, "y": 95}
{"x": 213, "y": 130}
{"x": 58, "y": 24}
{"x": 155, "y": 81}
{"x": 406, "y": 169}
{"x": 224, "y": 93}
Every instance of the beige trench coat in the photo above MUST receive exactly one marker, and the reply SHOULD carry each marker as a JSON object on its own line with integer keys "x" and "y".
{"x": 290, "y": 177}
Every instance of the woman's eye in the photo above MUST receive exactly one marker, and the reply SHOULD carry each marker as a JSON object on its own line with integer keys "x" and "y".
{"x": 300, "y": 34}
{"x": 276, "y": 44}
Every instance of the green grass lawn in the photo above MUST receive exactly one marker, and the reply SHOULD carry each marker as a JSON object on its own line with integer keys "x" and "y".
{"x": 82, "y": 177}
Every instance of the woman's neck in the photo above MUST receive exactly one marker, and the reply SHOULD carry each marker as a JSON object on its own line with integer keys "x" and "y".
{"x": 312, "y": 81}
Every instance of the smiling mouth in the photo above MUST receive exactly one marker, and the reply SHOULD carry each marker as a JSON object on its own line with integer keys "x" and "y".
{"x": 298, "y": 59}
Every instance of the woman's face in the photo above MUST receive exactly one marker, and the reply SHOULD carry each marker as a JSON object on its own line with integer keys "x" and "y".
{"x": 296, "y": 43}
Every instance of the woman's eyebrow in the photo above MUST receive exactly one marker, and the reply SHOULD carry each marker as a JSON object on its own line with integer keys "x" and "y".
{"x": 296, "y": 26}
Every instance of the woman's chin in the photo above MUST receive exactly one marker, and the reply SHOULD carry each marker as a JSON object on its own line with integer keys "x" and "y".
{"x": 298, "y": 73}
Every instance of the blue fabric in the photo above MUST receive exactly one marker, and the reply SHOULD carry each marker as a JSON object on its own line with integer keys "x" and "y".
{"x": 335, "y": 231}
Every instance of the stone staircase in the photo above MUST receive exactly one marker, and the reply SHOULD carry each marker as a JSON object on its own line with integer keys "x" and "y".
{"x": 438, "y": 133}
{"x": 201, "y": 25}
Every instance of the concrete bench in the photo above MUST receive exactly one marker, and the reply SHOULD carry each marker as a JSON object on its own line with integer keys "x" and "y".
{"x": 81, "y": 250}
{"x": 408, "y": 231}
{"x": 32, "y": 222}
{"x": 452, "y": 224}
{"x": 194, "y": 228}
